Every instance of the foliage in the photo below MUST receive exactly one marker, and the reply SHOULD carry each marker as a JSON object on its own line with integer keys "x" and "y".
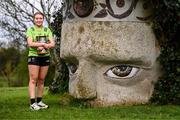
{"x": 19, "y": 79}
{"x": 17, "y": 15}
{"x": 60, "y": 82}
{"x": 14, "y": 68}
{"x": 7, "y": 55}
{"x": 167, "y": 29}
{"x": 57, "y": 22}
{"x": 9, "y": 59}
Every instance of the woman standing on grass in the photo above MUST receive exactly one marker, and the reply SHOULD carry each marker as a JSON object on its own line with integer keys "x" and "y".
{"x": 40, "y": 40}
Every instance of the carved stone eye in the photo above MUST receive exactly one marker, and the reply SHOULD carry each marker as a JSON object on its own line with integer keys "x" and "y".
{"x": 72, "y": 67}
{"x": 122, "y": 71}
{"x": 83, "y": 8}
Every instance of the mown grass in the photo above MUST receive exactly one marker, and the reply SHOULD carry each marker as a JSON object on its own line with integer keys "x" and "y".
{"x": 14, "y": 104}
{"x": 3, "y": 83}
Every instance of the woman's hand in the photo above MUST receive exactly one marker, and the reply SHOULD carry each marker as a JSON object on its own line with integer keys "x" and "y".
{"x": 40, "y": 48}
{"x": 46, "y": 46}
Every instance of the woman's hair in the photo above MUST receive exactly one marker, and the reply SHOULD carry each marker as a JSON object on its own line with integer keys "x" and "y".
{"x": 40, "y": 13}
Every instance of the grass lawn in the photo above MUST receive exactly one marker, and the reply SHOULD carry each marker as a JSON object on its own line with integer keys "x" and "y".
{"x": 14, "y": 104}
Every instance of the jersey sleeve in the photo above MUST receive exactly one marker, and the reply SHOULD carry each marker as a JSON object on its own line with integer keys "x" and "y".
{"x": 29, "y": 33}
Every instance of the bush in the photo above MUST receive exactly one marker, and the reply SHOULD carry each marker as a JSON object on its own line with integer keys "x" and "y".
{"x": 166, "y": 27}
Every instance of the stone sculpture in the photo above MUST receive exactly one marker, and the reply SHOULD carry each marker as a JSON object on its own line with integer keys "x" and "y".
{"x": 111, "y": 50}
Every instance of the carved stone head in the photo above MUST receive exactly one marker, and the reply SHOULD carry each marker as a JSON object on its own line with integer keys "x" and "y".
{"x": 110, "y": 50}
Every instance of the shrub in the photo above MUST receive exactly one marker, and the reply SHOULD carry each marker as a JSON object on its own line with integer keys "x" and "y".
{"x": 166, "y": 25}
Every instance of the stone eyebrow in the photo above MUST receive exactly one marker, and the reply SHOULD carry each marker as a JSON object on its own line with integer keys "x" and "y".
{"x": 139, "y": 62}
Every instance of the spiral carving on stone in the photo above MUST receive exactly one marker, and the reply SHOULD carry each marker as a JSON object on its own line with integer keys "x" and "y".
{"x": 113, "y": 10}
{"x": 119, "y": 3}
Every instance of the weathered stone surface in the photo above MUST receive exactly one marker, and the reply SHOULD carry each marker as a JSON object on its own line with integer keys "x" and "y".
{"x": 107, "y": 10}
{"x": 97, "y": 47}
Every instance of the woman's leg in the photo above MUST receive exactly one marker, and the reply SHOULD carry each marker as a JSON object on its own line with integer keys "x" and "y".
{"x": 33, "y": 76}
{"x": 40, "y": 83}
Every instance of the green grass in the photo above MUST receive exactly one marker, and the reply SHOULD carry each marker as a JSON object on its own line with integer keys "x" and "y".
{"x": 14, "y": 104}
{"x": 3, "y": 83}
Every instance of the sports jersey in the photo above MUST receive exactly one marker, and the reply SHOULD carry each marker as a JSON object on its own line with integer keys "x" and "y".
{"x": 34, "y": 33}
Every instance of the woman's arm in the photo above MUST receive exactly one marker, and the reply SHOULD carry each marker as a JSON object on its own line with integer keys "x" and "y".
{"x": 34, "y": 44}
{"x": 50, "y": 44}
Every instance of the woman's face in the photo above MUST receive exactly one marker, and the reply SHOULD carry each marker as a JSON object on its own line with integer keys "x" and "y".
{"x": 38, "y": 20}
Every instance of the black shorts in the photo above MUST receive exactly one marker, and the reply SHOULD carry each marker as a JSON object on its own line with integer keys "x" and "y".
{"x": 39, "y": 61}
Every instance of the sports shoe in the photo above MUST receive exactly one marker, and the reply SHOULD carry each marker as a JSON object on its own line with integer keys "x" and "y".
{"x": 34, "y": 106}
{"x": 42, "y": 105}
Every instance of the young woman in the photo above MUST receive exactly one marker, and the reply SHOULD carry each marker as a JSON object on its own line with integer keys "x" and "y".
{"x": 40, "y": 40}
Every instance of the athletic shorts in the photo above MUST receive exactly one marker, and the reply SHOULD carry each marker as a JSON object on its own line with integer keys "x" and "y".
{"x": 39, "y": 61}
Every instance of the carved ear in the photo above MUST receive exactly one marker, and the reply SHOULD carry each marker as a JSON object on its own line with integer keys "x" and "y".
{"x": 83, "y": 8}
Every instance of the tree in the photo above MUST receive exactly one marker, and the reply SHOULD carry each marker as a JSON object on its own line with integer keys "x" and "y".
{"x": 17, "y": 15}
{"x": 166, "y": 25}
{"x": 60, "y": 81}
{"x": 9, "y": 58}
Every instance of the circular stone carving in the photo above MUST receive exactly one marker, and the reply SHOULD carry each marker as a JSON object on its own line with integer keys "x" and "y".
{"x": 83, "y": 8}
{"x": 120, "y": 3}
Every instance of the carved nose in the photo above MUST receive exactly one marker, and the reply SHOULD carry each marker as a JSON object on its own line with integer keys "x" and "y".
{"x": 82, "y": 84}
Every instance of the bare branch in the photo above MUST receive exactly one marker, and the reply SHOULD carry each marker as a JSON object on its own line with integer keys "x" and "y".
{"x": 17, "y": 15}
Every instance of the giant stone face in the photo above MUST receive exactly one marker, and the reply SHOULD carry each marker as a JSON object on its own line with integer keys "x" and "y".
{"x": 111, "y": 59}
